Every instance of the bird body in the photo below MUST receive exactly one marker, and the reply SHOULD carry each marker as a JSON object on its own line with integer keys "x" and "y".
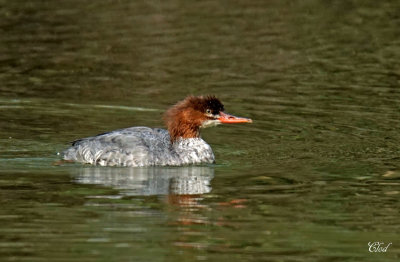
{"x": 180, "y": 145}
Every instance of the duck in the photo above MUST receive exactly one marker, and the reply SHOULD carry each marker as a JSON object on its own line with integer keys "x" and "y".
{"x": 178, "y": 145}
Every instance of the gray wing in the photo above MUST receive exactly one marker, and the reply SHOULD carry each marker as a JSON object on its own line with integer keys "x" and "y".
{"x": 135, "y": 146}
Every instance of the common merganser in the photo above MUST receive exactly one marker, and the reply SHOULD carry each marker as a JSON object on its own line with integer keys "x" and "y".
{"x": 179, "y": 145}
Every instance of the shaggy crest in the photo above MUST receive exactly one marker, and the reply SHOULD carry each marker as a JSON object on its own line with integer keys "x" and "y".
{"x": 184, "y": 119}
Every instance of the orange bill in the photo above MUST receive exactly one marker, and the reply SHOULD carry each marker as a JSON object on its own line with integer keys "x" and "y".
{"x": 230, "y": 119}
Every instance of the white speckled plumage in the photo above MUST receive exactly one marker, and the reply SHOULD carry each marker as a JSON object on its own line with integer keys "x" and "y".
{"x": 139, "y": 146}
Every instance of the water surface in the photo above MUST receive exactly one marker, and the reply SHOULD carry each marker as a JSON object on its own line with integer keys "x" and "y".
{"x": 314, "y": 178}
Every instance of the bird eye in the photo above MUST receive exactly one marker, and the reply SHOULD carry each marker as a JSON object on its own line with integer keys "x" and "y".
{"x": 208, "y": 111}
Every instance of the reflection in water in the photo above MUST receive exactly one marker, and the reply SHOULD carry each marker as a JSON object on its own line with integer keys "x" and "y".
{"x": 181, "y": 187}
{"x": 191, "y": 180}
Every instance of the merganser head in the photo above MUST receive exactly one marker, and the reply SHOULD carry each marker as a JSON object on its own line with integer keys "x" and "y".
{"x": 194, "y": 112}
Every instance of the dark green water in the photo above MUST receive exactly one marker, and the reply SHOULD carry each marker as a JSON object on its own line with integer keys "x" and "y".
{"x": 314, "y": 178}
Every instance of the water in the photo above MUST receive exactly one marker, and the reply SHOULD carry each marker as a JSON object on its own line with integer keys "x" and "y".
{"x": 314, "y": 178}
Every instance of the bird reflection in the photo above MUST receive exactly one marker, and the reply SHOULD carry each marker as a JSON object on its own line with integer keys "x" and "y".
{"x": 171, "y": 181}
{"x": 182, "y": 189}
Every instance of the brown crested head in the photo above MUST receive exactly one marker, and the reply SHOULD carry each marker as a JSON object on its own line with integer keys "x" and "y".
{"x": 185, "y": 118}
